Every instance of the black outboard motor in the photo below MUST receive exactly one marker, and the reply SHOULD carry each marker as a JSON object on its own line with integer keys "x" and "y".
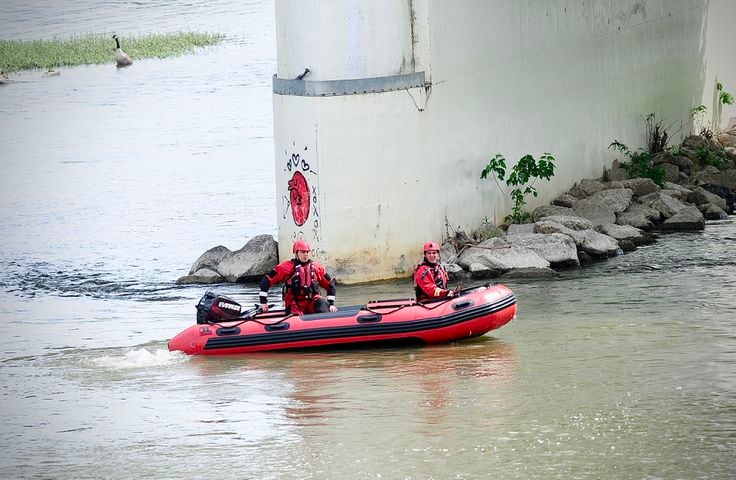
{"x": 214, "y": 308}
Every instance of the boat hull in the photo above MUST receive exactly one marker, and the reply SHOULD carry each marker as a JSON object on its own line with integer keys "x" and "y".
{"x": 474, "y": 313}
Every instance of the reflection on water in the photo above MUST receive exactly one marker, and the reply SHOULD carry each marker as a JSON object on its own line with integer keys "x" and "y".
{"x": 322, "y": 383}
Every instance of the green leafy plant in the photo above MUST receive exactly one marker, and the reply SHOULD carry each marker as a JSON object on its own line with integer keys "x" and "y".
{"x": 521, "y": 179}
{"x": 640, "y": 164}
{"x": 723, "y": 96}
{"x": 698, "y": 116}
{"x": 705, "y": 128}
{"x": 657, "y": 135}
{"x": 706, "y": 156}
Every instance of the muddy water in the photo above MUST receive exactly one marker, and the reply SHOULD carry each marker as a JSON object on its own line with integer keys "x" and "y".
{"x": 115, "y": 180}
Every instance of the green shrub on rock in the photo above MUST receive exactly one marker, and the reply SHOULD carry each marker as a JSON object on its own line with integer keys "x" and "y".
{"x": 640, "y": 164}
{"x": 522, "y": 178}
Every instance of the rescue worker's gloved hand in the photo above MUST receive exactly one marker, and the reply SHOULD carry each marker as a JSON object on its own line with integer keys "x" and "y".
{"x": 333, "y": 308}
{"x": 451, "y": 293}
{"x": 264, "y": 307}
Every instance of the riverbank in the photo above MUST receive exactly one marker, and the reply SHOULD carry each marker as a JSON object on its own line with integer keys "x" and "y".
{"x": 594, "y": 220}
{"x": 601, "y": 218}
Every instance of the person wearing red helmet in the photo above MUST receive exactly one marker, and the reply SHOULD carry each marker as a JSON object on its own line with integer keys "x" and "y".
{"x": 302, "y": 279}
{"x": 430, "y": 277}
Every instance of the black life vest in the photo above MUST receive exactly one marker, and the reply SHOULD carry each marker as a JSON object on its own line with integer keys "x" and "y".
{"x": 438, "y": 276}
{"x": 303, "y": 283}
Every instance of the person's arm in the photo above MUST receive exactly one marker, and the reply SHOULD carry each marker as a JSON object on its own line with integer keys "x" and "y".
{"x": 327, "y": 282}
{"x": 277, "y": 274}
{"x": 423, "y": 279}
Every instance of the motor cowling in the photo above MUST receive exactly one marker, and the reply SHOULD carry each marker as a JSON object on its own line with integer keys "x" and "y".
{"x": 214, "y": 308}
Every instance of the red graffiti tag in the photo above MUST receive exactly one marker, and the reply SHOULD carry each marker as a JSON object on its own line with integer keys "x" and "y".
{"x": 299, "y": 197}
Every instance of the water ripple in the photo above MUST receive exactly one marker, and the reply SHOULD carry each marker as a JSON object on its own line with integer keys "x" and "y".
{"x": 41, "y": 278}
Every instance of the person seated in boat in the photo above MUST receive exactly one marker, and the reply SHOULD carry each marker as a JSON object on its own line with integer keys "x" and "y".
{"x": 430, "y": 277}
{"x": 302, "y": 279}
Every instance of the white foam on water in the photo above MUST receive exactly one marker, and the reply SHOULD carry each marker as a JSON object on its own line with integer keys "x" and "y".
{"x": 140, "y": 358}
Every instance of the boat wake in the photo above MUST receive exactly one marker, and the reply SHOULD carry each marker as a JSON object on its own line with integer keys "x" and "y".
{"x": 42, "y": 278}
{"x": 140, "y": 358}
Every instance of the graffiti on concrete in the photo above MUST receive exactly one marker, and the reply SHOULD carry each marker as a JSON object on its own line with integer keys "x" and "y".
{"x": 299, "y": 198}
{"x": 302, "y": 194}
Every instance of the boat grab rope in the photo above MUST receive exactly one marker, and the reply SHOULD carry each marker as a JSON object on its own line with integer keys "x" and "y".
{"x": 369, "y": 309}
{"x": 252, "y": 319}
{"x": 438, "y": 304}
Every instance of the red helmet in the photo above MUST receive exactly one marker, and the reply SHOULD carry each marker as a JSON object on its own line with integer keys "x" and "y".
{"x": 300, "y": 246}
{"x": 431, "y": 247}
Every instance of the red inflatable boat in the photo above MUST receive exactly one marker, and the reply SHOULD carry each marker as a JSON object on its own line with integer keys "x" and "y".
{"x": 222, "y": 328}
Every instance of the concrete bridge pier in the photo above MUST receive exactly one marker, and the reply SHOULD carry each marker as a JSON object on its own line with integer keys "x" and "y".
{"x": 386, "y": 111}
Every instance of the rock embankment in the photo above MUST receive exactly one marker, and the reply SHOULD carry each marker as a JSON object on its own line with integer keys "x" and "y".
{"x": 601, "y": 218}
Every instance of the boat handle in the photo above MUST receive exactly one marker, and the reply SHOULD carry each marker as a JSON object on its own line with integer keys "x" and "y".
{"x": 228, "y": 331}
{"x": 461, "y": 305}
{"x": 277, "y": 326}
{"x": 369, "y": 318}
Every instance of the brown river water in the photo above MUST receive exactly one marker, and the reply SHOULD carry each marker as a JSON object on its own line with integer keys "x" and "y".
{"x": 114, "y": 181}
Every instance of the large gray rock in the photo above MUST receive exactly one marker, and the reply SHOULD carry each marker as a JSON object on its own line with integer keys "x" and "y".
{"x": 681, "y": 161}
{"x": 454, "y": 271}
{"x": 602, "y": 207}
{"x": 628, "y": 237}
{"x": 639, "y": 216}
{"x": 570, "y": 221}
{"x": 499, "y": 255}
{"x": 722, "y": 192}
{"x": 713, "y": 212}
{"x": 726, "y": 178}
{"x": 565, "y": 200}
{"x": 479, "y": 271}
{"x": 727, "y": 138}
{"x": 671, "y": 172}
{"x": 252, "y": 261}
{"x": 558, "y": 249}
{"x": 675, "y": 191}
{"x": 520, "y": 229}
{"x": 586, "y": 187}
{"x": 548, "y": 210}
{"x": 689, "y": 218}
{"x": 666, "y": 205}
{"x": 595, "y": 244}
{"x": 210, "y": 259}
{"x": 640, "y": 186}
{"x": 448, "y": 253}
{"x": 700, "y": 196}
{"x": 693, "y": 142}
{"x": 203, "y": 275}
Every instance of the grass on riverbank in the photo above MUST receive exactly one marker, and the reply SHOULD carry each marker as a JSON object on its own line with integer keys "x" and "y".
{"x": 87, "y": 49}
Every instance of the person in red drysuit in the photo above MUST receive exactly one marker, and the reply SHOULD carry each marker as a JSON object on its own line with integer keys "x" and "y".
{"x": 302, "y": 279}
{"x": 430, "y": 277}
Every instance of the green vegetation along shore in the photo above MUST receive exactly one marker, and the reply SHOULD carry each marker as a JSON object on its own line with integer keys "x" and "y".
{"x": 86, "y": 49}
